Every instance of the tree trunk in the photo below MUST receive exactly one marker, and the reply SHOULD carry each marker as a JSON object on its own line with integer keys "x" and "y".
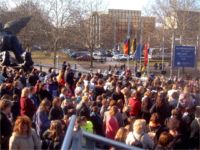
{"x": 55, "y": 53}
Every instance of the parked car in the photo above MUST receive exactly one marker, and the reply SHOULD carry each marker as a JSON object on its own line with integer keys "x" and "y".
{"x": 120, "y": 57}
{"x": 109, "y": 54}
{"x": 84, "y": 58}
{"x": 115, "y": 52}
{"x": 77, "y": 54}
{"x": 116, "y": 57}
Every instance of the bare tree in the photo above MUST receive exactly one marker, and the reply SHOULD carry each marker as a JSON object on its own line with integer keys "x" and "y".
{"x": 60, "y": 13}
{"x": 176, "y": 15}
{"x": 88, "y": 25}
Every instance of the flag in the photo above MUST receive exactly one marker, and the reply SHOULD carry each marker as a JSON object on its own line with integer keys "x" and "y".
{"x": 138, "y": 52}
{"x": 133, "y": 46}
{"x": 127, "y": 46}
{"x": 146, "y": 53}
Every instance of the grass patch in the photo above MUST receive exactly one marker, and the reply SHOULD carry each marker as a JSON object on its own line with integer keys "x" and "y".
{"x": 45, "y": 57}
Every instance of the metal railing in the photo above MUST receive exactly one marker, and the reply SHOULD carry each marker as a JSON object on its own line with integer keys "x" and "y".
{"x": 109, "y": 142}
{"x": 69, "y": 134}
{"x": 74, "y": 139}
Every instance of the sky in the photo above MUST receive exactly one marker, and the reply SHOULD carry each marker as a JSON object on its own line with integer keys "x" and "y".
{"x": 128, "y": 4}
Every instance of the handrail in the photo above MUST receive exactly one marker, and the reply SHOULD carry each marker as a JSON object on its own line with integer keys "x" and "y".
{"x": 69, "y": 134}
{"x": 109, "y": 141}
{"x": 69, "y": 137}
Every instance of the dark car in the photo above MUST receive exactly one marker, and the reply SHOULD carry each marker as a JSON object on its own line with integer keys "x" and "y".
{"x": 84, "y": 58}
{"x": 77, "y": 54}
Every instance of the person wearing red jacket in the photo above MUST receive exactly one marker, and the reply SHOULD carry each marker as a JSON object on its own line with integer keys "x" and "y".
{"x": 135, "y": 105}
{"x": 111, "y": 123}
{"x": 26, "y": 105}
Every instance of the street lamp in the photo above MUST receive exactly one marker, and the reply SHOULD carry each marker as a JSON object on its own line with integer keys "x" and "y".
{"x": 57, "y": 58}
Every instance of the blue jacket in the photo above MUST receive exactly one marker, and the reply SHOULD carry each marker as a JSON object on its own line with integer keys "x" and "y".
{"x": 42, "y": 121}
{"x": 35, "y": 100}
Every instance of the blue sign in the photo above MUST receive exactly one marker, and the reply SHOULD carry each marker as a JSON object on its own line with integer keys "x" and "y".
{"x": 184, "y": 56}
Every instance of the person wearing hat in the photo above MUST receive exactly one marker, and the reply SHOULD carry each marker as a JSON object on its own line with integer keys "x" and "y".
{"x": 6, "y": 126}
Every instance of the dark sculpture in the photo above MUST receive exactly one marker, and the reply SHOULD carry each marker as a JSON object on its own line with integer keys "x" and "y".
{"x": 9, "y": 42}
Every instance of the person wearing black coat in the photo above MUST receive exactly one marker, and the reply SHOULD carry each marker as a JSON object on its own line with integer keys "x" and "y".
{"x": 6, "y": 126}
{"x": 69, "y": 77}
{"x": 96, "y": 121}
{"x": 179, "y": 140}
{"x": 15, "y": 107}
{"x": 33, "y": 78}
{"x": 117, "y": 95}
{"x": 195, "y": 130}
{"x": 98, "y": 89}
{"x": 43, "y": 93}
{"x": 56, "y": 112}
{"x": 54, "y": 136}
{"x": 161, "y": 107}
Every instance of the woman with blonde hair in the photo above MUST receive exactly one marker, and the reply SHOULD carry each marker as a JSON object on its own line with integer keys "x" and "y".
{"x": 60, "y": 78}
{"x": 121, "y": 134}
{"x": 42, "y": 121}
{"x": 26, "y": 105}
{"x": 54, "y": 135}
{"x": 24, "y": 137}
{"x": 138, "y": 137}
{"x": 56, "y": 111}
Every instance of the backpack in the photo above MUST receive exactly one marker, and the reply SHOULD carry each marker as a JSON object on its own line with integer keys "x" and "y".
{"x": 138, "y": 142}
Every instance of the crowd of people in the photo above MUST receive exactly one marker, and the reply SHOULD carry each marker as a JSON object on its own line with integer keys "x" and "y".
{"x": 157, "y": 113}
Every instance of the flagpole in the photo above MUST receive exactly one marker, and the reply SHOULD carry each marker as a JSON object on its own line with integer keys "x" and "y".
{"x": 172, "y": 54}
{"x": 128, "y": 37}
{"x": 141, "y": 32}
{"x": 148, "y": 56}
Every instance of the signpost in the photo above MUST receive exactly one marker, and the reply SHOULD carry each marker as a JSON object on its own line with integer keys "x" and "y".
{"x": 184, "y": 56}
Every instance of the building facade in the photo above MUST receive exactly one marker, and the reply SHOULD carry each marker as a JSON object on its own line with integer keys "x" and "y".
{"x": 114, "y": 26}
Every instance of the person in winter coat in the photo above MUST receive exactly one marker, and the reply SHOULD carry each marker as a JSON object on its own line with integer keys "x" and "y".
{"x": 42, "y": 121}
{"x": 161, "y": 107}
{"x": 138, "y": 137}
{"x": 33, "y": 78}
{"x": 15, "y": 107}
{"x": 178, "y": 138}
{"x": 97, "y": 121}
{"x": 43, "y": 93}
{"x": 6, "y": 126}
{"x": 26, "y": 105}
{"x": 118, "y": 95}
{"x": 98, "y": 89}
{"x": 54, "y": 135}
{"x": 163, "y": 141}
{"x": 53, "y": 86}
{"x": 82, "y": 108}
{"x": 34, "y": 98}
{"x": 135, "y": 105}
{"x": 56, "y": 112}
{"x": 69, "y": 77}
{"x": 195, "y": 130}
{"x": 112, "y": 125}
{"x": 24, "y": 137}
{"x": 60, "y": 78}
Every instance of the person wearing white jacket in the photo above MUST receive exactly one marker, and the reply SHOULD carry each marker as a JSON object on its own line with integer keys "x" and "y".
{"x": 23, "y": 136}
{"x": 138, "y": 137}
